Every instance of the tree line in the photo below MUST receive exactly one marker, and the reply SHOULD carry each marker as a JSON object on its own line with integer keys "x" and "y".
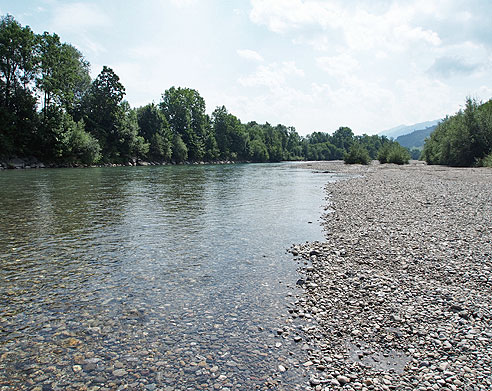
{"x": 463, "y": 139}
{"x": 52, "y": 110}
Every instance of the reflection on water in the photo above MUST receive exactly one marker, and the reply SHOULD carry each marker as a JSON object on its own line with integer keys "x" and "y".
{"x": 152, "y": 277}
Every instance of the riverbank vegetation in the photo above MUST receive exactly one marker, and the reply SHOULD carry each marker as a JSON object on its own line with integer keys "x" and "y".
{"x": 51, "y": 110}
{"x": 463, "y": 139}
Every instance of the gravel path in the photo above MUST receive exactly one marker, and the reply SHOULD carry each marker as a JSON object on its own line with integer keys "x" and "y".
{"x": 400, "y": 294}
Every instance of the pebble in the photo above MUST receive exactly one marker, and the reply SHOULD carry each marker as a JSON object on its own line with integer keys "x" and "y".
{"x": 400, "y": 292}
{"x": 119, "y": 372}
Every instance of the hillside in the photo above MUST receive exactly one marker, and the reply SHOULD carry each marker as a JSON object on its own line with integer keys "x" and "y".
{"x": 406, "y": 129}
{"x": 415, "y": 139}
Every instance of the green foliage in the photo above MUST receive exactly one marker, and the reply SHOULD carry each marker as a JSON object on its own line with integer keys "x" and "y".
{"x": 180, "y": 150}
{"x": 343, "y": 138}
{"x": 83, "y": 122}
{"x": 129, "y": 146}
{"x": 258, "y": 151}
{"x": 392, "y": 152}
{"x": 230, "y": 135}
{"x": 18, "y": 117}
{"x": 79, "y": 147}
{"x": 184, "y": 109}
{"x": 155, "y": 130}
{"x": 18, "y": 58}
{"x": 416, "y": 139}
{"x": 372, "y": 143}
{"x": 212, "y": 151}
{"x": 104, "y": 116}
{"x": 64, "y": 74}
{"x": 464, "y": 139}
{"x": 486, "y": 161}
{"x": 357, "y": 154}
{"x": 415, "y": 153}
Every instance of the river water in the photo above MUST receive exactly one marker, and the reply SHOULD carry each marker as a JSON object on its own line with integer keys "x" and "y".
{"x": 153, "y": 278}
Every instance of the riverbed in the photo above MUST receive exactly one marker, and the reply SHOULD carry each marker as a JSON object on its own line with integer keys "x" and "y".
{"x": 154, "y": 278}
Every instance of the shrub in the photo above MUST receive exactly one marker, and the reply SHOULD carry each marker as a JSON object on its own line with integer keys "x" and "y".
{"x": 78, "y": 146}
{"x": 357, "y": 155}
{"x": 393, "y": 153}
{"x": 486, "y": 161}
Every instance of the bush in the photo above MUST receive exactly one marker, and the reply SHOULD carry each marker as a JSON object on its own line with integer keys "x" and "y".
{"x": 393, "y": 153}
{"x": 258, "y": 151}
{"x": 415, "y": 153}
{"x": 357, "y": 155}
{"x": 179, "y": 149}
{"x": 78, "y": 146}
{"x": 486, "y": 161}
{"x": 464, "y": 139}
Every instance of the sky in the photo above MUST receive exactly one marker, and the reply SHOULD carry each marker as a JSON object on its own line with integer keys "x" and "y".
{"x": 312, "y": 64}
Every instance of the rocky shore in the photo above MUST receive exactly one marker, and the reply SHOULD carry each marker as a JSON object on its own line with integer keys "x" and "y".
{"x": 16, "y": 163}
{"x": 399, "y": 296}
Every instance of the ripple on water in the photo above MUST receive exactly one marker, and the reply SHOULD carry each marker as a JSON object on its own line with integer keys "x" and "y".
{"x": 152, "y": 277}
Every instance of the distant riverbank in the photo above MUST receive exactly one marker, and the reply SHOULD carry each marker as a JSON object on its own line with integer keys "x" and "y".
{"x": 399, "y": 295}
{"x": 27, "y": 163}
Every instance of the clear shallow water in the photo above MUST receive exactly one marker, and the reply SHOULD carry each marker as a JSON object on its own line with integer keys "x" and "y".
{"x": 169, "y": 277}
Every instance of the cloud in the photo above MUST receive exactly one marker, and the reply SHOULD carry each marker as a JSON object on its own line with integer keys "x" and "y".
{"x": 385, "y": 25}
{"x": 249, "y": 55}
{"x": 416, "y": 34}
{"x": 450, "y": 66}
{"x": 283, "y": 15}
{"x": 78, "y": 17}
{"x": 340, "y": 65}
{"x": 273, "y": 75}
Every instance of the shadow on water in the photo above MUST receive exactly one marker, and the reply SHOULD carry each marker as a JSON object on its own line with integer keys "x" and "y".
{"x": 178, "y": 275}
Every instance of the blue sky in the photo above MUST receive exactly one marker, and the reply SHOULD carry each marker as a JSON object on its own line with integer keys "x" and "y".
{"x": 315, "y": 65}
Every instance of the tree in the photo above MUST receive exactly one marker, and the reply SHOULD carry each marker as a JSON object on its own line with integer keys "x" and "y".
{"x": 18, "y": 63}
{"x": 357, "y": 154}
{"x": 392, "y": 152}
{"x": 230, "y": 135}
{"x": 64, "y": 73}
{"x": 184, "y": 109}
{"x": 464, "y": 139}
{"x": 258, "y": 151}
{"x": 79, "y": 147}
{"x": 155, "y": 129}
{"x": 180, "y": 151}
{"x": 343, "y": 138}
{"x": 129, "y": 145}
{"x": 18, "y": 59}
{"x": 63, "y": 76}
{"x": 103, "y": 111}
{"x": 294, "y": 145}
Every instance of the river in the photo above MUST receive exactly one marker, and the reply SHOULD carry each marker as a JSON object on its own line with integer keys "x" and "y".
{"x": 153, "y": 278}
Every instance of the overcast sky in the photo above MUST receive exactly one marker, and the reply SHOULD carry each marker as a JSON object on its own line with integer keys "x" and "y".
{"x": 315, "y": 65}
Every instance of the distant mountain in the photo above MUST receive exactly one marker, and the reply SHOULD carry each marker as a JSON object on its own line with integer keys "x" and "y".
{"x": 406, "y": 129}
{"x": 416, "y": 138}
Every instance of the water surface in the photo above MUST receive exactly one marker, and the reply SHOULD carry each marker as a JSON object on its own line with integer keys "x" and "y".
{"x": 172, "y": 277}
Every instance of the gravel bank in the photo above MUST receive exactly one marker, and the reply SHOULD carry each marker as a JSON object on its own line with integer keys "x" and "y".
{"x": 399, "y": 296}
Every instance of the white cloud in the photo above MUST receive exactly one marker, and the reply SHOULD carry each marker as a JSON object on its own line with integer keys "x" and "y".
{"x": 417, "y": 34}
{"x": 340, "y": 65}
{"x": 273, "y": 75}
{"x": 362, "y": 28}
{"x": 283, "y": 15}
{"x": 249, "y": 55}
{"x": 78, "y": 17}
